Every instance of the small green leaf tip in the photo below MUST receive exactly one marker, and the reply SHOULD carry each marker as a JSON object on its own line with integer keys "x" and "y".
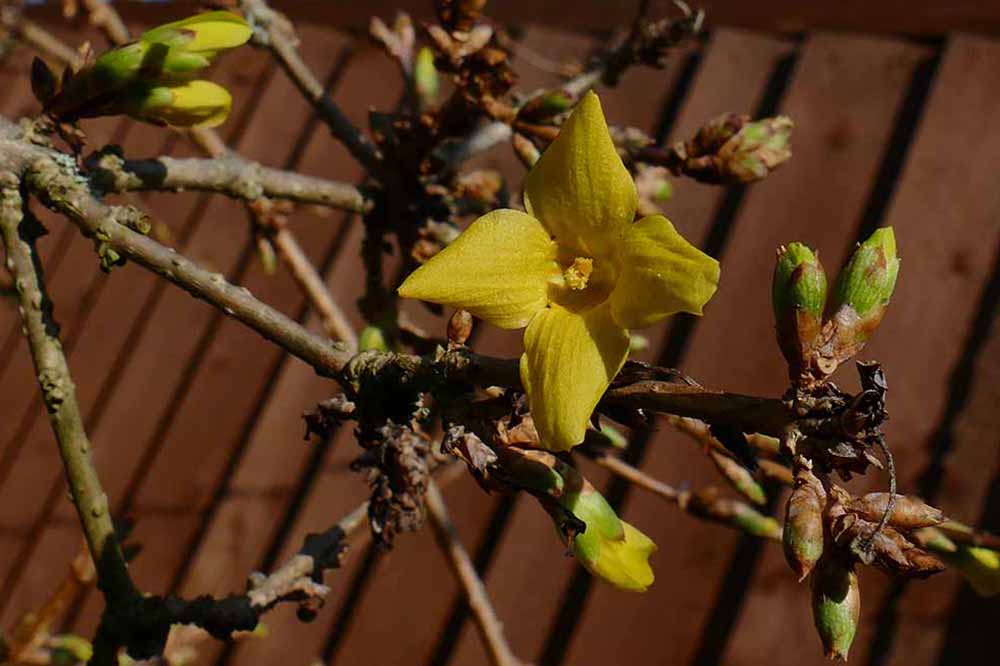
{"x": 867, "y": 282}
{"x": 799, "y": 282}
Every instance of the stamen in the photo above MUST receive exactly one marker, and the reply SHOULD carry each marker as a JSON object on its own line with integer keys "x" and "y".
{"x": 578, "y": 273}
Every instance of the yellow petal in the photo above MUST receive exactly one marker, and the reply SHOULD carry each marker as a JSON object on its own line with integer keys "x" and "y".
{"x": 660, "y": 274}
{"x": 191, "y": 104}
{"x": 579, "y": 189}
{"x": 498, "y": 269}
{"x": 569, "y": 359}
{"x": 209, "y": 32}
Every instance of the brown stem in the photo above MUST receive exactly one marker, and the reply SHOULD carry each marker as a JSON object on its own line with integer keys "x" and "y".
{"x": 228, "y": 174}
{"x": 20, "y": 232}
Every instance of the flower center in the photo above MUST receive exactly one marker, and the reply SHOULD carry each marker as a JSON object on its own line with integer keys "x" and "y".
{"x": 577, "y": 274}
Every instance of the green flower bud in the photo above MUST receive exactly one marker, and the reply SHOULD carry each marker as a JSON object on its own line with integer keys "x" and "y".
{"x": 547, "y": 105}
{"x": 867, "y": 282}
{"x": 799, "y": 282}
{"x": 836, "y": 605}
{"x": 862, "y": 293}
{"x": 425, "y": 77}
{"x": 798, "y": 296}
{"x": 372, "y": 338}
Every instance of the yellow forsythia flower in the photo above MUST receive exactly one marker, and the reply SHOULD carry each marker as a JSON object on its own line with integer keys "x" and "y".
{"x": 189, "y": 104}
{"x": 575, "y": 270}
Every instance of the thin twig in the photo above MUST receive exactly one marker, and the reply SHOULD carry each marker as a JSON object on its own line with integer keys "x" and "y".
{"x": 105, "y": 18}
{"x": 275, "y": 32}
{"x": 705, "y": 504}
{"x": 38, "y": 38}
{"x": 332, "y": 318}
{"x": 20, "y": 232}
{"x": 228, "y": 174}
{"x": 489, "y": 625}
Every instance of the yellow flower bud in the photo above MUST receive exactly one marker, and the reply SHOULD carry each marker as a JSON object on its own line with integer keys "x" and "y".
{"x": 189, "y": 104}
{"x": 209, "y": 33}
{"x": 609, "y": 547}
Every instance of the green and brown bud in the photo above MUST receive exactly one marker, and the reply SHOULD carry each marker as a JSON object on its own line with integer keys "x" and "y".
{"x": 798, "y": 297}
{"x": 756, "y": 150}
{"x": 803, "y": 532}
{"x": 730, "y": 149}
{"x": 739, "y": 477}
{"x": 862, "y": 293}
{"x": 709, "y": 503}
{"x": 836, "y": 605}
{"x": 547, "y": 105}
{"x": 460, "y": 327}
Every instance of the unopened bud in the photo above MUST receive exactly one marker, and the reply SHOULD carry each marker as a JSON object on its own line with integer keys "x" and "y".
{"x": 979, "y": 566}
{"x": 525, "y": 150}
{"x": 862, "y": 293}
{"x": 425, "y": 77}
{"x": 546, "y": 105}
{"x": 803, "y": 533}
{"x": 757, "y": 149}
{"x": 460, "y": 327}
{"x": 372, "y": 338}
{"x": 189, "y": 104}
{"x": 908, "y": 513}
{"x": 609, "y": 547}
{"x": 798, "y": 296}
{"x": 836, "y": 605}
{"x": 739, "y": 477}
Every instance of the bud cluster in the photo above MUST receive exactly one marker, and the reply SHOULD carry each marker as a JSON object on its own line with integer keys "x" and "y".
{"x": 828, "y": 531}
{"x": 815, "y": 334}
{"x": 151, "y": 79}
{"x": 728, "y": 150}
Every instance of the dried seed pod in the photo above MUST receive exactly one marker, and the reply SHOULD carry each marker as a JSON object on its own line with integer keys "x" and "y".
{"x": 836, "y": 605}
{"x": 887, "y": 550}
{"x": 803, "y": 533}
{"x": 909, "y": 513}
